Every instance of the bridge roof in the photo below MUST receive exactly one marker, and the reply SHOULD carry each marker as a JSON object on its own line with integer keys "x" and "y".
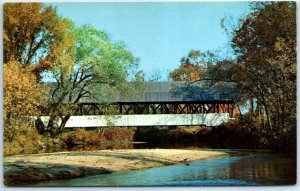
{"x": 178, "y": 92}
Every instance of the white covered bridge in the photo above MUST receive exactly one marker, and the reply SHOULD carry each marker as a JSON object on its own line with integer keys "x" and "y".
{"x": 161, "y": 104}
{"x": 209, "y": 119}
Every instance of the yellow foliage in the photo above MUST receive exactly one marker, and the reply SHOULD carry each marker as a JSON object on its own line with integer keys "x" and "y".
{"x": 20, "y": 137}
{"x": 22, "y": 94}
{"x": 63, "y": 52}
{"x": 36, "y": 36}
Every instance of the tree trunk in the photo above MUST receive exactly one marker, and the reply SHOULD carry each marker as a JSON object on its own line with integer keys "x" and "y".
{"x": 101, "y": 130}
{"x": 50, "y": 125}
{"x": 268, "y": 117}
{"x": 251, "y": 105}
{"x": 63, "y": 123}
{"x": 54, "y": 128}
{"x": 40, "y": 126}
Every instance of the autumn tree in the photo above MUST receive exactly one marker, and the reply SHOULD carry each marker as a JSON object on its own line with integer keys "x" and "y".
{"x": 193, "y": 66}
{"x": 266, "y": 48}
{"x": 81, "y": 61}
{"x": 265, "y": 68}
{"x": 100, "y": 68}
{"x": 23, "y": 97}
{"x": 32, "y": 32}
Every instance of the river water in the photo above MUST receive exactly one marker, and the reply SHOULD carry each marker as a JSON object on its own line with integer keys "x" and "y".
{"x": 238, "y": 168}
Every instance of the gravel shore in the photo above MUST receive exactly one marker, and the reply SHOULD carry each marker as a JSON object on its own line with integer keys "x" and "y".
{"x": 26, "y": 169}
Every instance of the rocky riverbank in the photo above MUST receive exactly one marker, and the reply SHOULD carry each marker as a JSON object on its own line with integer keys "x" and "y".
{"x": 25, "y": 169}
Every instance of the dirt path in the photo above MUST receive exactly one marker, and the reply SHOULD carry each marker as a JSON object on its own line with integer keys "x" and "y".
{"x": 24, "y": 169}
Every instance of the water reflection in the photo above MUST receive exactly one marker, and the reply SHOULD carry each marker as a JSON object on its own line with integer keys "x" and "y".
{"x": 266, "y": 170}
{"x": 238, "y": 168}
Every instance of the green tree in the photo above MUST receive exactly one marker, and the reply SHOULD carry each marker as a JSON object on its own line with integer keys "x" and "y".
{"x": 101, "y": 68}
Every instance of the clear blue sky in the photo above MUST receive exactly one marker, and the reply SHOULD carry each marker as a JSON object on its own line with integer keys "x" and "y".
{"x": 159, "y": 33}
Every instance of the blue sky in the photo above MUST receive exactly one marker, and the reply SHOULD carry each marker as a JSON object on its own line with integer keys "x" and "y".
{"x": 159, "y": 33}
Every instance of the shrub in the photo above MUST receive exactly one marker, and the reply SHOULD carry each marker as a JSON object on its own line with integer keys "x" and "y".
{"x": 93, "y": 137}
{"x": 118, "y": 134}
{"x": 21, "y": 137}
{"x": 77, "y": 137}
{"x": 239, "y": 133}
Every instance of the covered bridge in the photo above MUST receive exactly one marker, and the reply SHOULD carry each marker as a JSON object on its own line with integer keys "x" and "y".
{"x": 169, "y": 98}
{"x": 161, "y": 103}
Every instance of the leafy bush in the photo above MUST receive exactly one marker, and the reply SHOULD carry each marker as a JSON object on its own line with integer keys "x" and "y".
{"x": 22, "y": 137}
{"x": 93, "y": 137}
{"x": 118, "y": 134}
{"x": 81, "y": 137}
{"x": 238, "y": 133}
{"x": 249, "y": 132}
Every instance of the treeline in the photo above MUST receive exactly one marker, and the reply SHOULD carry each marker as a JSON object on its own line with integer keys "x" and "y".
{"x": 264, "y": 69}
{"x": 50, "y": 64}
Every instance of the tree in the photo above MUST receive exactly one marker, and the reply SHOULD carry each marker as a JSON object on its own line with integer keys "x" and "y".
{"x": 23, "y": 96}
{"x": 31, "y": 34}
{"x": 265, "y": 69}
{"x": 100, "y": 68}
{"x": 265, "y": 44}
{"x": 155, "y": 76}
{"x": 193, "y": 66}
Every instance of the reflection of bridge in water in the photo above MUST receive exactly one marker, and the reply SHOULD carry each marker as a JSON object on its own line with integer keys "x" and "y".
{"x": 161, "y": 104}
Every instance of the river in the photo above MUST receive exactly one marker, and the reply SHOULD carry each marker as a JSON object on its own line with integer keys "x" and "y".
{"x": 238, "y": 168}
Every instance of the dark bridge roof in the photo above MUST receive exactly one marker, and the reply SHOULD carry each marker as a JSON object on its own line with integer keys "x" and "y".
{"x": 179, "y": 91}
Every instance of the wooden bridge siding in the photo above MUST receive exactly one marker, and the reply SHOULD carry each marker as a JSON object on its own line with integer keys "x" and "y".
{"x": 156, "y": 108}
{"x": 139, "y": 120}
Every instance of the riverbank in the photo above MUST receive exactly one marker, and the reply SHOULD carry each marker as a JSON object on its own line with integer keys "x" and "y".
{"x": 26, "y": 169}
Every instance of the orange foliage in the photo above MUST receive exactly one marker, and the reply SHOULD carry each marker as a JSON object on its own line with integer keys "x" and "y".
{"x": 118, "y": 134}
{"x": 85, "y": 137}
{"x": 187, "y": 72}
